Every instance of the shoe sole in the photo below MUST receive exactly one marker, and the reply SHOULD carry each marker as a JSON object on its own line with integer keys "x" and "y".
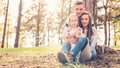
{"x": 62, "y": 57}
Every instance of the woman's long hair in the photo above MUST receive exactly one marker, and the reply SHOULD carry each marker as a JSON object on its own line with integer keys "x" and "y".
{"x": 89, "y": 26}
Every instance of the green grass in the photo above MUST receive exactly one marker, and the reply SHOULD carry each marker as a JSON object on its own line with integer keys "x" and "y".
{"x": 39, "y": 49}
{"x": 29, "y": 50}
{"x": 116, "y": 47}
{"x": 33, "y": 54}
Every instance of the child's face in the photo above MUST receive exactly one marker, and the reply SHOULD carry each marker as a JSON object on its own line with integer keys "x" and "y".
{"x": 73, "y": 21}
{"x": 85, "y": 20}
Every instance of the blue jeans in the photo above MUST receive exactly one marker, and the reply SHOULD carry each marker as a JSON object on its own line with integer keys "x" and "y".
{"x": 66, "y": 48}
{"x": 94, "y": 54}
{"x": 82, "y": 42}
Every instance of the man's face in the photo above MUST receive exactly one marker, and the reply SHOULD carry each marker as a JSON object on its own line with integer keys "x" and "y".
{"x": 79, "y": 9}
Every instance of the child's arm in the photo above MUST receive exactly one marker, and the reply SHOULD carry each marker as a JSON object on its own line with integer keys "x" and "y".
{"x": 79, "y": 32}
{"x": 67, "y": 34}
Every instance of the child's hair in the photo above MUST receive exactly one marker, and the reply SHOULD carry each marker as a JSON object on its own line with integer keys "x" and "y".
{"x": 68, "y": 20}
{"x": 89, "y": 32}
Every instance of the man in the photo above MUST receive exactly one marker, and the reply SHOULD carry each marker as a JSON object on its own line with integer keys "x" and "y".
{"x": 79, "y": 8}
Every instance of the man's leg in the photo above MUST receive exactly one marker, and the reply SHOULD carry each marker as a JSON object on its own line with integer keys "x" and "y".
{"x": 66, "y": 47}
{"x": 63, "y": 54}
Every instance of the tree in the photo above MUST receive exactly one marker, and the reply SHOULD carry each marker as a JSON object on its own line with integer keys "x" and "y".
{"x": 69, "y": 7}
{"x": 105, "y": 5}
{"x": 18, "y": 25}
{"x": 114, "y": 17}
{"x": 91, "y": 6}
{"x": 33, "y": 23}
{"x": 3, "y": 39}
{"x": 62, "y": 17}
{"x": 38, "y": 22}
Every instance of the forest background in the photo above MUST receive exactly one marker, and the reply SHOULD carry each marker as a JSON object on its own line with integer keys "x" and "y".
{"x": 33, "y": 23}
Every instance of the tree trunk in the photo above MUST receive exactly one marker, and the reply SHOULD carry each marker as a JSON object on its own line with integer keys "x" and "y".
{"x": 48, "y": 32}
{"x": 115, "y": 41}
{"x": 59, "y": 30}
{"x": 69, "y": 8}
{"x": 95, "y": 12}
{"x": 105, "y": 21}
{"x": 3, "y": 39}
{"x": 91, "y": 6}
{"x": 18, "y": 25}
{"x": 109, "y": 28}
{"x": 105, "y": 27}
{"x": 38, "y": 27}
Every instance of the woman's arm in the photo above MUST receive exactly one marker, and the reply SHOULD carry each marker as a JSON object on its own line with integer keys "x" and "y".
{"x": 94, "y": 38}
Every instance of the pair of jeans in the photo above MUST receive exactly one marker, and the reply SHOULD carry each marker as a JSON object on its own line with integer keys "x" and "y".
{"x": 66, "y": 48}
{"x": 94, "y": 54}
{"x": 80, "y": 45}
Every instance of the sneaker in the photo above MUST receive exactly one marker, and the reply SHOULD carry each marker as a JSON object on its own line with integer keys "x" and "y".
{"x": 62, "y": 57}
{"x": 72, "y": 58}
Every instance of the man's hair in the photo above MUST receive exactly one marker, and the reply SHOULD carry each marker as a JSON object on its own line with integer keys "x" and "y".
{"x": 78, "y": 2}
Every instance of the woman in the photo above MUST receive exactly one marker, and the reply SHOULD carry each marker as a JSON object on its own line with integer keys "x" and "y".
{"x": 91, "y": 33}
{"x": 85, "y": 45}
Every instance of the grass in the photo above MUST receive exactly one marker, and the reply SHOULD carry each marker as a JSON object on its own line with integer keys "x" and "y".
{"x": 39, "y": 49}
{"x": 29, "y": 50}
{"x": 115, "y": 47}
{"x": 31, "y": 55}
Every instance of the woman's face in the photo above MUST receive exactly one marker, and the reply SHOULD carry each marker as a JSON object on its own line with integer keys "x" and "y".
{"x": 85, "y": 20}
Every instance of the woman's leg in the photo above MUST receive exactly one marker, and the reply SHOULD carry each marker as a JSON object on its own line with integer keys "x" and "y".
{"x": 94, "y": 54}
{"x": 86, "y": 54}
{"x": 81, "y": 44}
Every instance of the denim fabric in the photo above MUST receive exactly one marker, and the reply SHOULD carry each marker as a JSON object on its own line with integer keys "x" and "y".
{"x": 66, "y": 47}
{"x": 81, "y": 44}
{"x": 94, "y": 54}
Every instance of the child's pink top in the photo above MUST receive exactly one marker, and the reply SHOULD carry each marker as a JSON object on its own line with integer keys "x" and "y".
{"x": 72, "y": 34}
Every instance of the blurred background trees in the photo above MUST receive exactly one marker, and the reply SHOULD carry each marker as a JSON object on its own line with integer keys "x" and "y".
{"x": 32, "y": 23}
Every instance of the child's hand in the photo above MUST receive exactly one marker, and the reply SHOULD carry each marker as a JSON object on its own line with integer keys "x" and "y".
{"x": 79, "y": 32}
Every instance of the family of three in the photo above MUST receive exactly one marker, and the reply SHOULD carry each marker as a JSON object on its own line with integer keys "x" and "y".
{"x": 79, "y": 37}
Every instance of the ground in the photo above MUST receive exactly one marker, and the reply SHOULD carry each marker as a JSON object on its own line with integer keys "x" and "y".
{"x": 109, "y": 59}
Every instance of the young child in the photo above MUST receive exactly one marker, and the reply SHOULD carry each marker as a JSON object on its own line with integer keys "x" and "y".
{"x": 73, "y": 31}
